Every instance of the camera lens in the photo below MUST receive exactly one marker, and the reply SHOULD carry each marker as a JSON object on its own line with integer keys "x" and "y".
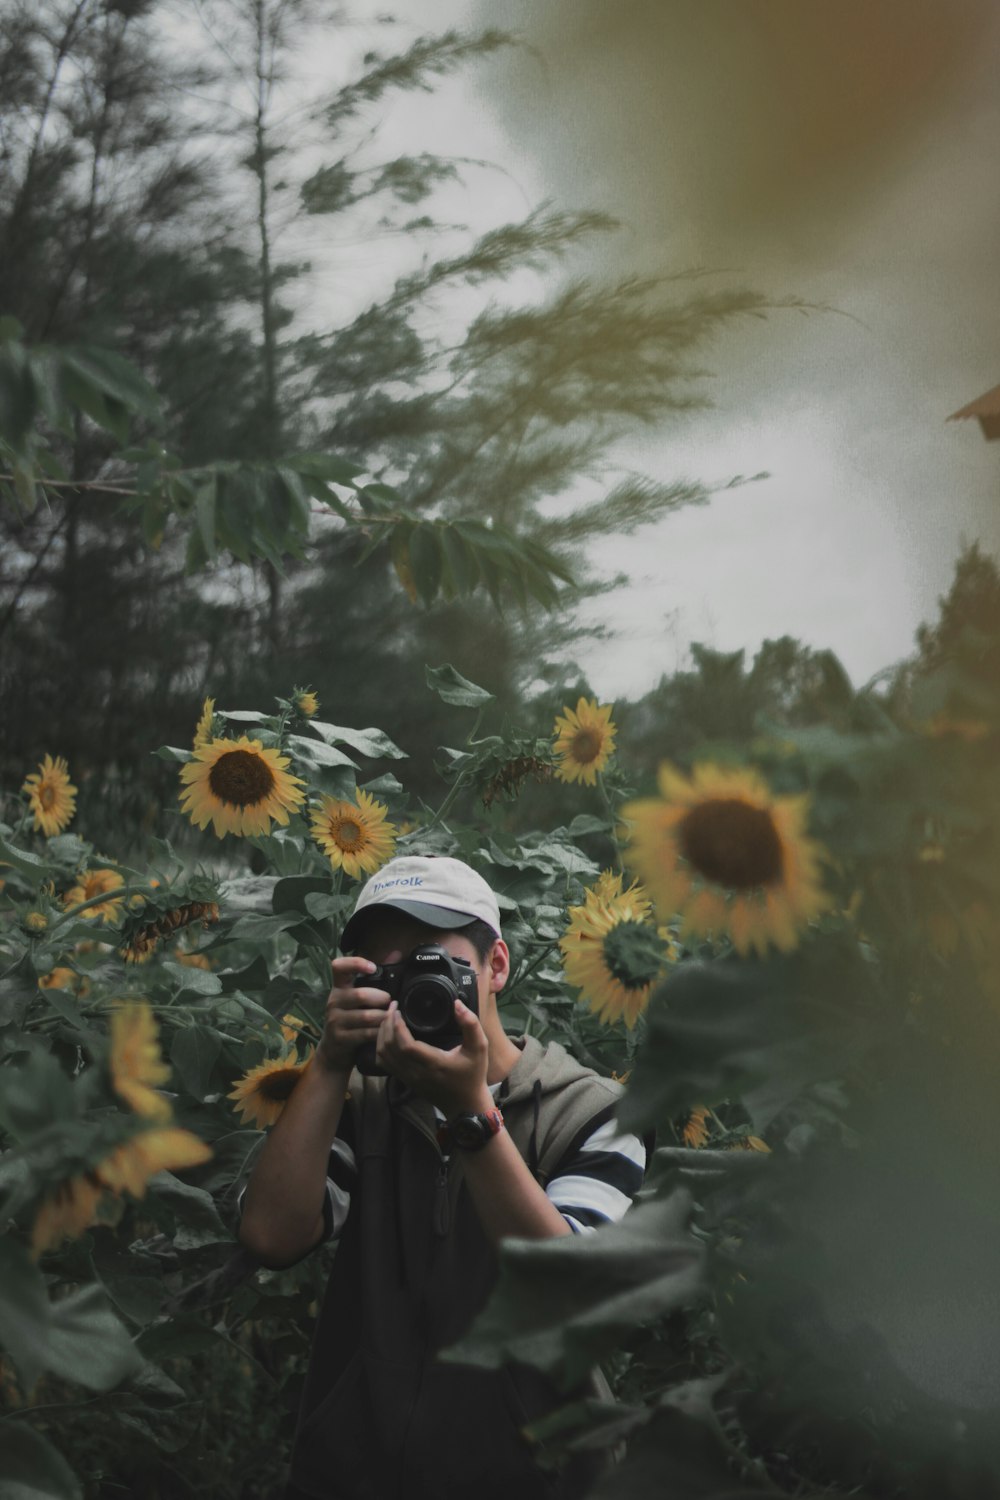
{"x": 429, "y": 1004}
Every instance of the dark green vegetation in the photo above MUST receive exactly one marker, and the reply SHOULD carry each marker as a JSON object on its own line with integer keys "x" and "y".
{"x": 818, "y": 1319}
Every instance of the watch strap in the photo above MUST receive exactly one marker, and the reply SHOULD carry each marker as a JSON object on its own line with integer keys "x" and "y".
{"x": 491, "y": 1123}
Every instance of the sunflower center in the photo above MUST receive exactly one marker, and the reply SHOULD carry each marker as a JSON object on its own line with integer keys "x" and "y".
{"x": 348, "y": 834}
{"x": 241, "y": 778}
{"x": 46, "y": 795}
{"x": 633, "y": 952}
{"x": 732, "y": 843}
{"x": 586, "y": 745}
{"x": 277, "y": 1087}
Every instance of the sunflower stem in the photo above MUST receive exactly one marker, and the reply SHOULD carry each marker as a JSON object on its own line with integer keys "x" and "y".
{"x": 116, "y": 893}
{"x": 613, "y": 820}
{"x": 448, "y": 803}
{"x": 321, "y": 966}
{"x": 470, "y": 738}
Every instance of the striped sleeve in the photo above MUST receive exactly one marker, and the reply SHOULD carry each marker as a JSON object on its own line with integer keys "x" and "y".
{"x": 597, "y": 1182}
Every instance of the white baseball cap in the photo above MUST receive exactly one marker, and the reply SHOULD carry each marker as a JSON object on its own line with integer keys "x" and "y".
{"x": 434, "y": 888}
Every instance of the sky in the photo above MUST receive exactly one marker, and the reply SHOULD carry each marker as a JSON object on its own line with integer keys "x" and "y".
{"x": 844, "y": 155}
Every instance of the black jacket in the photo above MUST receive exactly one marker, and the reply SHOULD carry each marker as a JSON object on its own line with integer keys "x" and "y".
{"x": 381, "y": 1419}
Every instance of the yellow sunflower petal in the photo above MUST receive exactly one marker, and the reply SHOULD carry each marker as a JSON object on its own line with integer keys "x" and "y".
{"x": 611, "y": 992}
{"x": 729, "y": 856}
{"x": 584, "y": 741}
{"x": 168, "y": 1148}
{"x": 65, "y": 1213}
{"x": 262, "y": 1094}
{"x": 51, "y": 796}
{"x": 239, "y": 786}
{"x": 135, "y": 1062}
{"x": 355, "y": 836}
{"x": 96, "y": 883}
{"x": 203, "y": 728}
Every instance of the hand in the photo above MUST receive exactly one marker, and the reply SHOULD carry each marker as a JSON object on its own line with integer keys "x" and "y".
{"x": 454, "y": 1080}
{"x": 353, "y": 1015}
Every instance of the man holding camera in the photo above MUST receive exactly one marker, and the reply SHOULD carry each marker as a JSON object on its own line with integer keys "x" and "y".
{"x": 447, "y": 1136}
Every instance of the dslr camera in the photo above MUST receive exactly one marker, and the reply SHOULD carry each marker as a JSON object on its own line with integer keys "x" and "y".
{"x": 425, "y": 986}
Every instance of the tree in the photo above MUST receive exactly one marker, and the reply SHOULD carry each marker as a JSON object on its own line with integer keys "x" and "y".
{"x": 516, "y": 422}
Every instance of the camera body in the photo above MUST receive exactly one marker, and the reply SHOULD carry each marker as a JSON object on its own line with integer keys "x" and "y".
{"x": 425, "y": 986}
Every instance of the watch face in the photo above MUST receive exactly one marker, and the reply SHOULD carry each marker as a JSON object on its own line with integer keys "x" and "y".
{"x": 469, "y": 1131}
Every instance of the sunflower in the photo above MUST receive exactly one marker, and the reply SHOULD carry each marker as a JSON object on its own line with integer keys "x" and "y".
{"x": 262, "y": 1094}
{"x": 306, "y": 702}
{"x": 52, "y": 796}
{"x": 611, "y": 951}
{"x": 58, "y": 979}
{"x": 135, "y": 1062}
{"x": 355, "y": 835}
{"x": 694, "y": 1131}
{"x": 584, "y": 741}
{"x": 66, "y": 1212}
{"x": 161, "y": 1148}
{"x": 194, "y": 961}
{"x": 239, "y": 787}
{"x": 96, "y": 883}
{"x": 291, "y": 1026}
{"x": 729, "y": 855}
{"x": 203, "y": 728}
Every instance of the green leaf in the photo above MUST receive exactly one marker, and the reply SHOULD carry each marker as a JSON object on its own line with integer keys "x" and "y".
{"x": 254, "y": 977}
{"x": 31, "y": 1469}
{"x": 564, "y": 1304}
{"x": 17, "y": 400}
{"x": 246, "y": 716}
{"x": 716, "y": 1030}
{"x": 260, "y": 929}
{"x": 372, "y": 743}
{"x": 204, "y": 515}
{"x": 24, "y": 1311}
{"x": 138, "y": 1298}
{"x": 326, "y": 466}
{"x": 193, "y": 1052}
{"x": 115, "y": 376}
{"x": 177, "y": 1338}
{"x": 322, "y": 904}
{"x": 171, "y": 753}
{"x": 29, "y": 864}
{"x": 291, "y": 894}
{"x": 317, "y": 753}
{"x": 426, "y": 561}
{"x": 585, "y": 823}
{"x": 87, "y": 1343}
{"x": 198, "y": 1221}
{"x": 195, "y": 981}
{"x": 452, "y": 687}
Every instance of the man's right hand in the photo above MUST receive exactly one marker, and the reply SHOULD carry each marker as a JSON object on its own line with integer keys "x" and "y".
{"x": 353, "y": 1015}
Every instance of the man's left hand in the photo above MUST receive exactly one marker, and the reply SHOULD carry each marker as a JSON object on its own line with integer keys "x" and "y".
{"x": 454, "y": 1080}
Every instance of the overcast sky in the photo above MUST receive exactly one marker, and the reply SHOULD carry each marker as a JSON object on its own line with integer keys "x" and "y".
{"x": 844, "y": 154}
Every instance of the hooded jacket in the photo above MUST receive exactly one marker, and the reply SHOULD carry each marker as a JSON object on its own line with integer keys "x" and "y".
{"x": 381, "y": 1418}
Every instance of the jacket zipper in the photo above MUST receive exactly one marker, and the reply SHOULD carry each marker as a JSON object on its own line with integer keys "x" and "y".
{"x": 440, "y": 1216}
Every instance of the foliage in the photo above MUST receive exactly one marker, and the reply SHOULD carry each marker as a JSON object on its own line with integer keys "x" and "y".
{"x": 766, "y": 1314}
{"x": 465, "y": 417}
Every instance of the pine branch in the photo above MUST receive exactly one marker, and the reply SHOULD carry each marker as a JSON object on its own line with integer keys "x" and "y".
{"x": 428, "y": 58}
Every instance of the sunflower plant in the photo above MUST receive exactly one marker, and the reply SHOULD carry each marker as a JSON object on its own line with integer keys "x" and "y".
{"x": 754, "y": 942}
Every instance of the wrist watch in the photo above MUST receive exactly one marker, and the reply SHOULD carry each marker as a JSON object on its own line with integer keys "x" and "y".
{"x": 470, "y": 1132}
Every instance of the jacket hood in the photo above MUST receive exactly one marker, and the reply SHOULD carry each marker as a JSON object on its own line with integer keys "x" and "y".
{"x": 551, "y": 1068}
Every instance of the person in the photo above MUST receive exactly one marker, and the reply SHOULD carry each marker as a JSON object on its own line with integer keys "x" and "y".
{"x": 436, "y": 1157}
